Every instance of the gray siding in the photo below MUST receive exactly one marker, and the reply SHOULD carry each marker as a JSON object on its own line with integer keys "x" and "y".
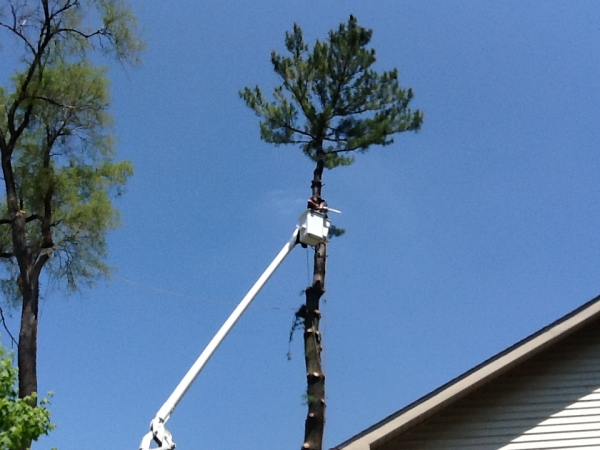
{"x": 550, "y": 402}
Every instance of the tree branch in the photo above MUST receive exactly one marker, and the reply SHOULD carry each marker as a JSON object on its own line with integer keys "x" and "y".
{"x": 341, "y": 83}
{"x": 49, "y": 100}
{"x": 46, "y": 36}
{"x": 39, "y": 264}
{"x": 100, "y": 32}
{"x": 31, "y": 218}
{"x": 19, "y": 35}
{"x": 289, "y": 127}
{"x": 12, "y": 338}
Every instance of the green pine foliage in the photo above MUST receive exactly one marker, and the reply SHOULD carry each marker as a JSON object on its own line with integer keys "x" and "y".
{"x": 331, "y": 101}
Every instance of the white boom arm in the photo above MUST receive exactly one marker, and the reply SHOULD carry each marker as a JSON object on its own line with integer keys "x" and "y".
{"x": 313, "y": 228}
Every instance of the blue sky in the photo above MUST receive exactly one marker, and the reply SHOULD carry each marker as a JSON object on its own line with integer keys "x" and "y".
{"x": 461, "y": 239}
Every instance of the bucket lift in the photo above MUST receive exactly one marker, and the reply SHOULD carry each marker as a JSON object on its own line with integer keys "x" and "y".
{"x": 313, "y": 228}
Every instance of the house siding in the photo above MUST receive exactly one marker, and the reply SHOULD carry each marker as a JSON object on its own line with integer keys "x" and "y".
{"x": 551, "y": 401}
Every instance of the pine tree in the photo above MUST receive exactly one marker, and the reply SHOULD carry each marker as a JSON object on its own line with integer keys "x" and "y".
{"x": 332, "y": 104}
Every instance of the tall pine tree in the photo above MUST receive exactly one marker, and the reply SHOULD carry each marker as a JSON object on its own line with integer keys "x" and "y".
{"x": 332, "y": 104}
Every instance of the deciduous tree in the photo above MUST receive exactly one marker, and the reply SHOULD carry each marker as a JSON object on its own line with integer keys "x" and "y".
{"x": 331, "y": 103}
{"x": 57, "y": 154}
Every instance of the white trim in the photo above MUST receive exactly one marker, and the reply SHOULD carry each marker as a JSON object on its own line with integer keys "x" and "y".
{"x": 467, "y": 383}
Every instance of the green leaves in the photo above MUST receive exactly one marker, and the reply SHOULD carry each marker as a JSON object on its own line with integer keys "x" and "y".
{"x": 20, "y": 421}
{"x": 65, "y": 171}
{"x": 55, "y": 130}
{"x": 57, "y": 154}
{"x": 331, "y": 102}
{"x": 119, "y": 27}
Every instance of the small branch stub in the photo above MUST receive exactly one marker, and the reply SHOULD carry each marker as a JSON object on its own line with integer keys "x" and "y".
{"x": 314, "y": 376}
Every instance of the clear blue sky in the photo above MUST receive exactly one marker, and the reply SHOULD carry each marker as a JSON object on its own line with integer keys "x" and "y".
{"x": 461, "y": 239}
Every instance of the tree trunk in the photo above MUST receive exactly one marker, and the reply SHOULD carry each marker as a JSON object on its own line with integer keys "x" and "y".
{"x": 28, "y": 339}
{"x": 315, "y": 378}
{"x": 28, "y": 282}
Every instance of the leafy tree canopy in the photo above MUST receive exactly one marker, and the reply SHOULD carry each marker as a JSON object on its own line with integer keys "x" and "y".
{"x": 57, "y": 153}
{"x": 55, "y": 129}
{"x": 65, "y": 174}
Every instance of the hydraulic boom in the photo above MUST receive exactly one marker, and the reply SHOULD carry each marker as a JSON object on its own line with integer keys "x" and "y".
{"x": 313, "y": 229}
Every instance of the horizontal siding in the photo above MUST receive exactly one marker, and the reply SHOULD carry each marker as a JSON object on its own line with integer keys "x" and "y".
{"x": 550, "y": 402}
{"x": 559, "y": 444}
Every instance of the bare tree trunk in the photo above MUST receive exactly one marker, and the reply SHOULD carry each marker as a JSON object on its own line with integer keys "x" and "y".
{"x": 28, "y": 340}
{"x": 28, "y": 285}
{"x": 28, "y": 281}
{"x": 315, "y": 378}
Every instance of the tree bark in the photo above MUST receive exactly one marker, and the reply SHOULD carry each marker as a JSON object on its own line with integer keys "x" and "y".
{"x": 28, "y": 281}
{"x": 315, "y": 378}
{"x": 27, "y": 354}
{"x": 30, "y": 264}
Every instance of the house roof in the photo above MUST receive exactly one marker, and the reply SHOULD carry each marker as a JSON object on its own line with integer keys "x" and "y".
{"x": 474, "y": 379}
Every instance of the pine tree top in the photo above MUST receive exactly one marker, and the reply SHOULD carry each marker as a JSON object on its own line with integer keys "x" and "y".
{"x": 331, "y": 101}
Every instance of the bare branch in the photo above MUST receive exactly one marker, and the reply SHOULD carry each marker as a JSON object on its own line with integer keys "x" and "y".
{"x": 12, "y": 338}
{"x": 49, "y": 100}
{"x": 99, "y": 32}
{"x": 20, "y": 35}
{"x": 289, "y": 127}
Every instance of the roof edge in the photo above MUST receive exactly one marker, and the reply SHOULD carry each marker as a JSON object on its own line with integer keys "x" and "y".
{"x": 464, "y": 384}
